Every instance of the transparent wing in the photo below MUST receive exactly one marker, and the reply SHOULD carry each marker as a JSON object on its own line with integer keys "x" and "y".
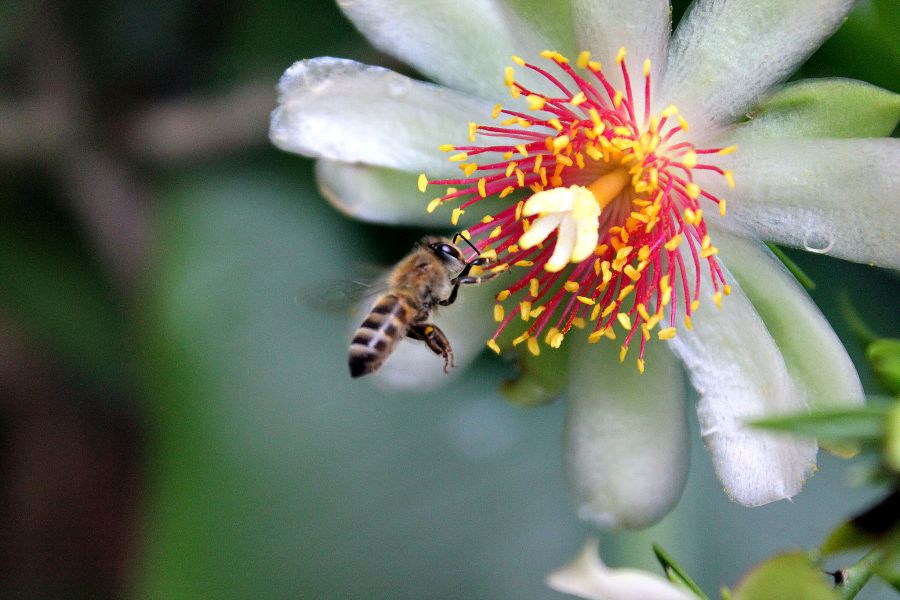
{"x": 340, "y": 295}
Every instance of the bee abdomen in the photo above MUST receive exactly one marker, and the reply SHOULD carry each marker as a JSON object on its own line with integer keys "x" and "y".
{"x": 375, "y": 339}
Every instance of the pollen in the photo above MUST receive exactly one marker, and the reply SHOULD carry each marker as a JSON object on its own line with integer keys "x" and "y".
{"x": 492, "y": 344}
{"x": 597, "y": 209}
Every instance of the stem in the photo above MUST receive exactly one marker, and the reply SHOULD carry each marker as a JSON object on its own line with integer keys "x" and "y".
{"x": 859, "y": 574}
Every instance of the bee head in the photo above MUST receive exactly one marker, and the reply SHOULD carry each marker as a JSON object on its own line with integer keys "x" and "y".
{"x": 444, "y": 249}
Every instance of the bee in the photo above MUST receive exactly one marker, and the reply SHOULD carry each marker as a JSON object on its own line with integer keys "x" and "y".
{"x": 423, "y": 280}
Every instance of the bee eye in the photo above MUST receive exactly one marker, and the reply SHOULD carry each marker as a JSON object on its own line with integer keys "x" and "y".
{"x": 447, "y": 249}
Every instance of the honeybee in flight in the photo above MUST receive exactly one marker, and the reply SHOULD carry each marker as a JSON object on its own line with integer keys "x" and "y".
{"x": 423, "y": 280}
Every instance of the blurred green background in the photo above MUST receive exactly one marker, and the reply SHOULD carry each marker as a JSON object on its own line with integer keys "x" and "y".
{"x": 176, "y": 425}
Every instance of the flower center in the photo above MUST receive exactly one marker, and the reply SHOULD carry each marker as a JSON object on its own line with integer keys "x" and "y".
{"x": 603, "y": 214}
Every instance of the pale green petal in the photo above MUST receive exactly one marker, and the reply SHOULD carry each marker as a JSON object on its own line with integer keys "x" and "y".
{"x": 740, "y": 375}
{"x": 464, "y": 44}
{"x": 587, "y": 577}
{"x": 836, "y": 197}
{"x": 467, "y": 323}
{"x": 726, "y": 55}
{"x": 626, "y": 434}
{"x": 824, "y": 108}
{"x": 344, "y": 110}
{"x": 815, "y": 357}
{"x": 642, "y": 27}
{"x": 389, "y": 196}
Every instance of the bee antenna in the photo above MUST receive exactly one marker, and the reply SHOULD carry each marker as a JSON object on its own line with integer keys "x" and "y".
{"x": 459, "y": 235}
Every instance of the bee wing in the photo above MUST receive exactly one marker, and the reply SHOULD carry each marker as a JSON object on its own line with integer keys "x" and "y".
{"x": 340, "y": 295}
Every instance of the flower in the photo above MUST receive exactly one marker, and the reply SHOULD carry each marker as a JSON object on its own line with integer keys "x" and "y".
{"x": 804, "y": 175}
{"x": 587, "y": 577}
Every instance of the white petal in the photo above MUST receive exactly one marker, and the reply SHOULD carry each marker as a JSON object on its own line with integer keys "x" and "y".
{"x": 565, "y": 242}
{"x": 815, "y": 357}
{"x": 467, "y": 324}
{"x": 464, "y": 44}
{"x": 540, "y": 229}
{"x": 626, "y": 434}
{"x": 381, "y": 195}
{"x": 725, "y": 55}
{"x": 344, "y": 110}
{"x": 836, "y": 197}
{"x": 640, "y": 26}
{"x": 587, "y": 577}
{"x": 740, "y": 375}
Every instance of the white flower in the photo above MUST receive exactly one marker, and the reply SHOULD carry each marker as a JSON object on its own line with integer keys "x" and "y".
{"x": 768, "y": 349}
{"x": 587, "y": 577}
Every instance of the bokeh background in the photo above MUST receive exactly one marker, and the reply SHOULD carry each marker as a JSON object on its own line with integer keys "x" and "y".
{"x": 175, "y": 424}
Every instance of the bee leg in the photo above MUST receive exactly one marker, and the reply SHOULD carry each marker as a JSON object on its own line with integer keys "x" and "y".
{"x": 465, "y": 278}
{"x": 435, "y": 339}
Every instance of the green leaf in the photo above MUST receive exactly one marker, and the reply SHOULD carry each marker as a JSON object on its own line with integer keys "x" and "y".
{"x": 786, "y": 577}
{"x": 884, "y": 356}
{"x": 892, "y": 439}
{"x": 861, "y": 425}
{"x": 834, "y": 108}
{"x": 541, "y": 379}
{"x": 845, "y": 537}
{"x": 675, "y": 573}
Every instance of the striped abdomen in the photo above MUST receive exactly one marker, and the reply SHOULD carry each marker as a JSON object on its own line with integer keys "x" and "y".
{"x": 375, "y": 339}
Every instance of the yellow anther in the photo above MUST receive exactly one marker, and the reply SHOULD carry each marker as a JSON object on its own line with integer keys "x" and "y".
{"x": 688, "y": 323}
{"x": 555, "y": 124}
{"x": 727, "y": 289}
{"x": 520, "y": 177}
{"x": 502, "y": 295}
{"x": 623, "y": 351}
{"x": 595, "y": 336}
{"x": 632, "y": 273}
{"x": 640, "y": 365}
{"x": 578, "y": 98}
{"x": 617, "y": 99}
{"x": 509, "y": 76}
{"x": 623, "y": 293}
{"x": 727, "y": 150}
{"x": 717, "y": 299}
{"x": 507, "y": 191}
{"x": 455, "y": 215}
{"x": 492, "y": 344}
{"x": 524, "y": 309}
{"x": 578, "y": 322}
{"x": 624, "y": 320}
{"x": 496, "y": 110}
{"x": 498, "y": 312}
{"x": 487, "y": 219}
{"x": 524, "y": 263}
{"x": 537, "y": 163}
{"x": 518, "y": 60}
{"x": 559, "y": 143}
{"x": 683, "y": 123}
{"x": 469, "y": 168}
{"x": 707, "y": 252}
{"x": 533, "y": 346}
{"x": 642, "y": 310}
{"x": 535, "y": 313}
{"x": 432, "y": 206}
{"x": 521, "y": 339}
{"x": 481, "y": 187}
{"x": 583, "y": 57}
{"x": 646, "y": 67}
{"x": 458, "y": 157}
{"x": 446, "y": 147}
{"x": 557, "y": 339}
{"x": 595, "y": 312}
{"x": 423, "y": 182}
{"x": 595, "y": 66}
{"x": 473, "y": 127}
{"x": 693, "y": 190}
{"x": 620, "y": 56}
{"x": 522, "y": 149}
{"x": 722, "y": 207}
{"x": 689, "y": 159}
{"x": 729, "y": 177}
{"x": 695, "y": 304}
{"x": 535, "y": 102}
{"x": 666, "y": 334}
{"x": 670, "y": 111}
{"x": 586, "y": 300}
{"x": 519, "y": 206}
{"x": 572, "y": 286}
{"x": 534, "y": 286}
{"x": 689, "y": 216}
